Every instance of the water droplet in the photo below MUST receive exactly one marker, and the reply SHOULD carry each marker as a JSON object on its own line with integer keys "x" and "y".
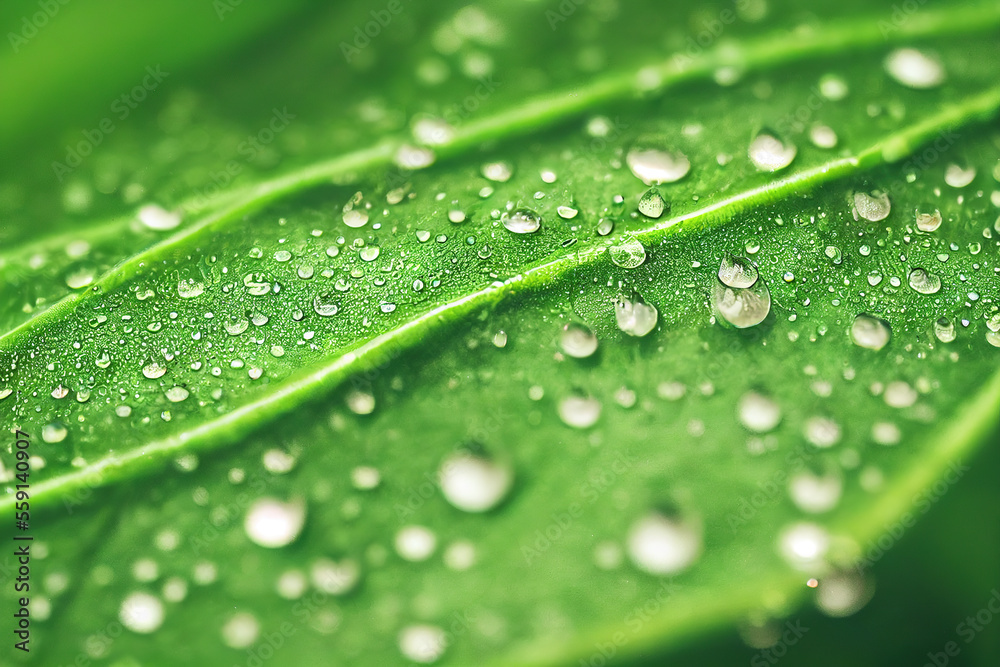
{"x": 521, "y": 221}
{"x": 460, "y": 556}
{"x": 577, "y": 340}
{"x": 579, "y": 411}
{"x": 737, "y": 272}
{"x": 272, "y": 523}
{"x": 153, "y": 370}
{"x": 958, "y": 177}
{"x": 944, "y": 330}
{"x": 500, "y": 339}
{"x": 422, "y": 643}
{"x": 842, "y": 594}
{"x": 157, "y": 218}
{"x": 456, "y": 215}
{"x": 415, "y": 543}
{"x": 177, "y": 394}
{"x": 235, "y": 325}
{"x": 432, "y": 131}
{"x": 241, "y": 630}
{"x": 742, "y": 308}
{"x": 628, "y": 254}
{"x": 653, "y": 166}
{"x": 870, "y": 332}
{"x": 355, "y": 218}
{"x": 257, "y": 284}
{"x": 190, "y": 288}
{"x": 567, "y": 212}
{"x": 634, "y": 316}
{"x": 804, "y": 545}
{"x": 499, "y": 172}
{"x": 141, "y": 612}
{"x": 651, "y": 203}
{"x": 81, "y": 277}
{"x": 758, "y": 413}
{"x": 815, "y": 494}
{"x": 324, "y": 305}
{"x": 360, "y": 402}
{"x": 663, "y": 545}
{"x": 872, "y": 206}
{"x": 414, "y": 157}
{"x": 335, "y": 578}
{"x": 365, "y": 478}
{"x": 473, "y": 482}
{"x": 923, "y": 282}
{"x": 886, "y": 433}
{"x": 822, "y": 136}
{"x": 54, "y": 432}
{"x": 369, "y": 253}
{"x": 770, "y": 153}
{"x": 914, "y": 69}
{"x": 928, "y": 222}
{"x": 899, "y": 394}
{"x": 822, "y": 432}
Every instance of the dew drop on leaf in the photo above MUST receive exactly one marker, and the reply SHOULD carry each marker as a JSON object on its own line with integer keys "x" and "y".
{"x": 423, "y": 644}
{"x": 634, "y": 316}
{"x": 737, "y": 272}
{"x": 472, "y": 482}
{"x": 141, "y": 613}
{"x": 628, "y": 254}
{"x": 758, "y": 413}
{"x": 914, "y": 69}
{"x": 870, "y": 332}
{"x": 579, "y": 411}
{"x": 923, "y": 282}
{"x": 577, "y": 340}
{"x": 651, "y": 203}
{"x": 770, "y": 153}
{"x": 415, "y": 543}
{"x": 663, "y": 545}
{"x": 653, "y": 165}
{"x": 272, "y": 523}
{"x": 521, "y": 221}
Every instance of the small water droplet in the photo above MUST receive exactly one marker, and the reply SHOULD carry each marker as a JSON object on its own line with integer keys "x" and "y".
{"x": 872, "y": 206}
{"x": 914, "y": 69}
{"x": 141, "y": 613}
{"x": 662, "y": 545}
{"x": 153, "y": 370}
{"x": 415, "y": 543}
{"x": 923, "y": 282}
{"x": 157, "y": 218}
{"x": 928, "y": 222}
{"x": 499, "y": 172}
{"x": 651, "y": 203}
{"x": 177, "y": 394}
{"x": 272, "y": 523}
{"x": 54, "y": 432}
{"x": 579, "y": 411}
{"x": 577, "y": 340}
{"x": 629, "y": 254}
{"x": 422, "y": 643}
{"x": 758, "y": 413}
{"x": 474, "y": 482}
{"x": 654, "y": 166}
{"x": 634, "y": 316}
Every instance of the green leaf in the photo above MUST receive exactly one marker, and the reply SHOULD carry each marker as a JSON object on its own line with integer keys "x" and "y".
{"x": 347, "y": 402}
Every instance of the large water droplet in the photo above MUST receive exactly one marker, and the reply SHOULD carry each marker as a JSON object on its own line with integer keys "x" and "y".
{"x": 804, "y": 545}
{"x": 141, "y": 612}
{"x": 629, "y": 254}
{"x": 579, "y": 411}
{"x": 663, "y": 545}
{"x": 521, "y": 221}
{"x": 634, "y": 316}
{"x": 872, "y": 206}
{"x": 737, "y": 272}
{"x": 742, "y": 308}
{"x": 415, "y": 543}
{"x": 422, "y": 643}
{"x": 651, "y": 203}
{"x": 577, "y": 340}
{"x": 325, "y": 304}
{"x": 923, "y": 282}
{"x": 928, "y": 222}
{"x": 473, "y": 482}
{"x": 758, "y": 413}
{"x": 870, "y": 332}
{"x": 153, "y": 370}
{"x": 272, "y": 523}
{"x": 157, "y": 218}
{"x": 653, "y": 166}
{"x": 944, "y": 330}
{"x": 770, "y": 153}
{"x": 914, "y": 69}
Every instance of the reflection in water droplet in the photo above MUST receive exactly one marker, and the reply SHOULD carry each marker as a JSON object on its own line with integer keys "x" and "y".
{"x": 651, "y": 203}
{"x": 928, "y": 222}
{"x": 577, "y": 340}
{"x": 742, "y": 308}
{"x": 872, "y": 206}
{"x": 944, "y": 330}
{"x": 472, "y": 482}
{"x": 770, "y": 153}
{"x": 654, "y": 166}
{"x": 663, "y": 545}
{"x": 521, "y": 221}
{"x": 737, "y": 272}
{"x": 272, "y": 523}
{"x": 153, "y": 370}
{"x": 923, "y": 282}
{"x": 634, "y": 316}
{"x": 870, "y": 332}
{"x": 190, "y": 288}
{"x": 629, "y": 254}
